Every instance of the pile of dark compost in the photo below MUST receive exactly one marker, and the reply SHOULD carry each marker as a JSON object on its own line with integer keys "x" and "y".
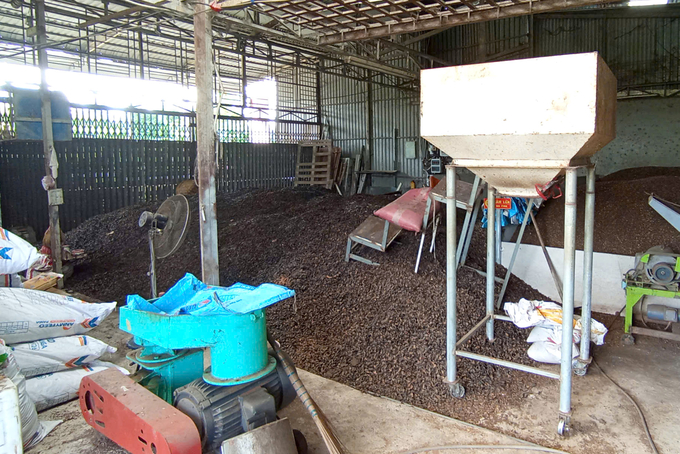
{"x": 624, "y": 222}
{"x": 380, "y": 329}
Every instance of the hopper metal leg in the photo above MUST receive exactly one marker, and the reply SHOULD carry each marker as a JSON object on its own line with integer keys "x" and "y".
{"x": 568, "y": 301}
{"x": 586, "y": 305}
{"x": 490, "y": 260}
{"x": 508, "y": 272}
{"x": 456, "y": 388}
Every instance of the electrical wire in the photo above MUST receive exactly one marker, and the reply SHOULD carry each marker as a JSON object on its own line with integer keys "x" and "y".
{"x": 486, "y": 448}
{"x": 652, "y": 445}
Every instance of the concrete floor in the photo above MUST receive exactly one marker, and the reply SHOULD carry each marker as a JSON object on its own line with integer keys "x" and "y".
{"x": 604, "y": 421}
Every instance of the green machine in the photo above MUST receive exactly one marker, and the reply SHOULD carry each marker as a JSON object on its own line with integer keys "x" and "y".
{"x": 656, "y": 273}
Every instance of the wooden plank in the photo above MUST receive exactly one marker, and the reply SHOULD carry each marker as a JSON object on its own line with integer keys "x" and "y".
{"x": 43, "y": 281}
{"x": 372, "y": 230}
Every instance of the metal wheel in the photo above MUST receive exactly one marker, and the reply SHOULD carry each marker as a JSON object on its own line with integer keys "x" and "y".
{"x": 563, "y": 427}
{"x": 628, "y": 339}
{"x": 457, "y": 390}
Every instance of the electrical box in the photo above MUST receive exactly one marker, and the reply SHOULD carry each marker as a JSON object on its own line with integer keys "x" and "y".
{"x": 55, "y": 197}
{"x": 411, "y": 149}
{"x": 436, "y": 166}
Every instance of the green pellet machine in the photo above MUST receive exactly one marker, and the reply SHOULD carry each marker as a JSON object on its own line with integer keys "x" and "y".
{"x": 656, "y": 273}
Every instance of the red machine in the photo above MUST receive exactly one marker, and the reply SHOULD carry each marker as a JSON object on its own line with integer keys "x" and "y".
{"x": 134, "y": 417}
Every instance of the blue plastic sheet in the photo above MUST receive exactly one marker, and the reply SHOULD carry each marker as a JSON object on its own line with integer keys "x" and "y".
{"x": 191, "y": 296}
{"x": 515, "y": 215}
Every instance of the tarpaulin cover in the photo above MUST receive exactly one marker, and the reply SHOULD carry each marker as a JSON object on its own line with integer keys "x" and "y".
{"x": 515, "y": 215}
{"x": 408, "y": 210}
{"x": 193, "y": 297}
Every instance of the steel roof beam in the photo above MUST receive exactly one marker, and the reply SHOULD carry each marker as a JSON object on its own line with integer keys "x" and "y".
{"x": 479, "y": 15}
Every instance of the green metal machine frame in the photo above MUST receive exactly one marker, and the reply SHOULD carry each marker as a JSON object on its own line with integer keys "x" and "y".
{"x": 635, "y": 293}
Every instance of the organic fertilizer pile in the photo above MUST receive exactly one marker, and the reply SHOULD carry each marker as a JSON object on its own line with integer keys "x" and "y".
{"x": 380, "y": 329}
{"x": 624, "y": 222}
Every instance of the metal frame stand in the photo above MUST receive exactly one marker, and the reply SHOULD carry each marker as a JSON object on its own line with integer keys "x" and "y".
{"x": 454, "y": 344}
{"x": 472, "y": 208}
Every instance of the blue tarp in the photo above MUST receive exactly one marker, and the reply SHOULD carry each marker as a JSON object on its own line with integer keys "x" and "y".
{"x": 515, "y": 215}
{"x": 191, "y": 296}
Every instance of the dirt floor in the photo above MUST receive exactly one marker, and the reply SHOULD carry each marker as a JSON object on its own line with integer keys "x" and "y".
{"x": 624, "y": 222}
{"x": 378, "y": 329}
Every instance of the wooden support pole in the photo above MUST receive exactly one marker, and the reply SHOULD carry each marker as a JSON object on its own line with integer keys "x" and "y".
{"x": 205, "y": 143}
{"x": 51, "y": 163}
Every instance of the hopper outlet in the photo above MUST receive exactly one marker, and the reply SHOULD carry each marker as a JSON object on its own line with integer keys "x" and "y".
{"x": 518, "y": 124}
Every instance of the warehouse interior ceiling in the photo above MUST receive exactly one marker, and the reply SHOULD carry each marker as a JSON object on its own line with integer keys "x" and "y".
{"x": 156, "y": 37}
{"x": 342, "y": 21}
{"x": 286, "y": 41}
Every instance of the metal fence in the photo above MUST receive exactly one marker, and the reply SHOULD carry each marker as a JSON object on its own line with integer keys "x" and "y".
{"x": 97, "y": 122}
{"x": 102, "y": 175}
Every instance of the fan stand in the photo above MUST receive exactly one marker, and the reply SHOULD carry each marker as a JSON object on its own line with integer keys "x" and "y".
{"x": 167, "y": 229}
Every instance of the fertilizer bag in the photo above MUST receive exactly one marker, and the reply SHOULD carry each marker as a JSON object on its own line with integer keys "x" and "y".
{"x": 50, "y": 390}
{"x": 28, "y": 315}
{"x": 549, "y": 352}
{"x": 16, "y": 254}
{"x": 32, "y": 430}
{"x": 54, "y": 355}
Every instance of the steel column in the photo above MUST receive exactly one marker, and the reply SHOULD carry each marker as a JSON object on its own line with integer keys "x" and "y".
{"x": 490, "y": 259}
{"x": 451, "y": 274}
{"x": 51, "y": 163}
{"x": 205, "y": 143}
{"x": 586, "y": 306}
{"x": 568, "y": 295}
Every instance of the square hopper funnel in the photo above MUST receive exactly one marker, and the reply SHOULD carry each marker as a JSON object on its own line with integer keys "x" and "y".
{"x": 518, "y": 124}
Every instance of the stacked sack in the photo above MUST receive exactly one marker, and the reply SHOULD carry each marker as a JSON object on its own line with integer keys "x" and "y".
{"x": 16, "y": 255}
{"x": 546, "y": 336}
{"x": 44, "y": 333}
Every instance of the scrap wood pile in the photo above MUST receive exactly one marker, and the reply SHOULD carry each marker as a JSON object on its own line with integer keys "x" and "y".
{"x": 624, "y": 222}
{"x": 378, "y": 329}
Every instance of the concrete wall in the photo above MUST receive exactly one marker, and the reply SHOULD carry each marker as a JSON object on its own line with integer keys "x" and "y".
{"x": 647, "y": 134}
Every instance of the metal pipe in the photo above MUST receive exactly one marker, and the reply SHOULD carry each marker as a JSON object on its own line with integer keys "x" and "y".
{"x": 498, "y": 231}
{"x": 503, "y": 318}
{"x": 508, "y": 272}
{"x": 551, "y": 265}
{"x": 474, "y": 329}
{"x": 568, "y": 290}
{"x": 471, "y": 228}
{"x": 586, "y": 305}
{"x": 490, "y": 262}
{"x": 451, "y": 272}
{"x": 152, "y": 267}
{"x": 508, "y": 364}
{"x": 466, "y": 231}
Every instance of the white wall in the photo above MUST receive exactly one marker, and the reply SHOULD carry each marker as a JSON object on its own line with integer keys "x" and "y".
{"x": 608, "y": 271}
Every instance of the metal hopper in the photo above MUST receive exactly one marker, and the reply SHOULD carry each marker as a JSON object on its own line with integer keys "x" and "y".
{"x": 517, "y": 124}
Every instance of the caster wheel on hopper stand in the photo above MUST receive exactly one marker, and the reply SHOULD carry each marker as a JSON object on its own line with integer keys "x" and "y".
{"x": 628, "y": 339}
{"x": 300, "y": 442}
{"x": 457, "y": 390}
{"x": 563, "y": 427}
